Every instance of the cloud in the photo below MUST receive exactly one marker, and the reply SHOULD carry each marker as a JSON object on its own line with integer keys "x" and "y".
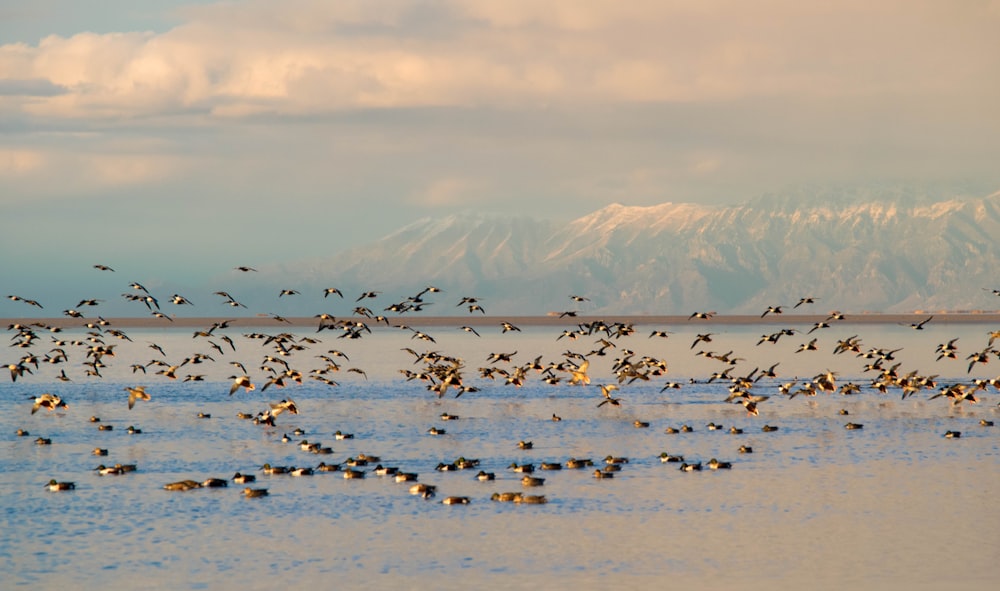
{"x": 20, "y": 162}
{"x": 448, "y": 192}
{"x": 307, "y": 57}
{"x": 30, "y": 87}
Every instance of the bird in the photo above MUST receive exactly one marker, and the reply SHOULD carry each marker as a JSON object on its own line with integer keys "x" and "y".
{"x": 136, "y": 393}
{"x": 772, "y": 310}
{"x": 54, "y": 485}
{"x": 805, "y": 300}
{"x": 182, "y": 485}
{"x": 579, "y": 374}
{"x": 49, "y": 402}
{"x": 920, "y": 325}
{"x": 242, "y": 381}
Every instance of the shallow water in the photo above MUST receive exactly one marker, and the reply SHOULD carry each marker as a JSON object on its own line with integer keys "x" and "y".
{"x": 893, "y": 505}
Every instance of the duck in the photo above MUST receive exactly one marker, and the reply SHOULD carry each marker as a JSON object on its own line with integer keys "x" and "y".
{"x": 746, "y": 449}
{"x": 556, "y": 418}
{"x": 523, "y": 468}
{"x": 455, "y": 501}
{"x": 22, "y": 433}
{"x": 48, "y": 401}
{"x": 671, "y": 431}
{"x": 99, "y": 451}
{"x": 686, "y": 429}
{"x": 615, "y": 460}
{"x": 576, "y": 464}
{"x": 463, "y": 463}
{"x": 103, "y": 470}
{"x": 504, "y": 497}
{"x": 952, "y": 434}
{"x": 356, "y": 462}
{"x": 715, "y": 464}
{"x": 985, "y": 423}
{"x": 381, "y": 470}
{"x": 105, "y": 427}
{"x": 424, "y": 490}
{"x": 182, "y": 485}
{"x": 353, "y": 474}
{"x": 448, "y": 417}
{"x": 532, "y": 481}
{"x": 269, "y": 469}
{"x": 252, "y": 493}
{"x": 436, "y": 431}
{"x": 665, "y": 458}
{"x": 241, "y": 382}
{"x": 339, "y": 435}
{"x": 442, "y": 467}
{"x": 136, "y": 393}
{"x": 293, "y": 471}
{"x": 214, "y": 483}
{"x": 43, "y": 441}
{"x": 601, "y": 474}
{"x": 55, "y": 485}
{"x": 324, "y": 467}
{"x": 853, "y": 426}
{"x": 525, "y": 444}
{"x": 484, "y": 476}
{"x": 530, "y": 499}
{"x": 551, "y": 466}
{"x": 133, "y": 431}
{"x": 243, "y": 478}
{"x": 640, "y": 424}
{"x": 405, "y": 476}
{"x": 713, "y": 427}
{"x": 769, "y": 428}
{"x": 685, "y": 467}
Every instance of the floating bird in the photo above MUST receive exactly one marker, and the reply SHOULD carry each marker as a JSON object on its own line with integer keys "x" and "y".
{"x": 54, "y": 485}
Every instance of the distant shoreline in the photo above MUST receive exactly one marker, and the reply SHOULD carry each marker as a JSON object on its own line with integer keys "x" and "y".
{"x": 548, "y": 320}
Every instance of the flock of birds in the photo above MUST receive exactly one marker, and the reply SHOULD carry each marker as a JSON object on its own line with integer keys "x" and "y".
{"x": 280, "y": 355}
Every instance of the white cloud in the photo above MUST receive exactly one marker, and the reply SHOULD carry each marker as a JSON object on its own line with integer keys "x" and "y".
{"x": 306, "y": 56}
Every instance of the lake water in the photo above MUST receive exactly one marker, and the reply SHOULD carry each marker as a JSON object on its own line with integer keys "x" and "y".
{"x": 894, "y": 505}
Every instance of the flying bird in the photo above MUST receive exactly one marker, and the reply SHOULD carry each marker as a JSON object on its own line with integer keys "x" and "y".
{"x": 136, "y": 393}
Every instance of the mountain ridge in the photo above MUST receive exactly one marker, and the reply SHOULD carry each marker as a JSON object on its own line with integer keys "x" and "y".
{"x": 905, "y": 251}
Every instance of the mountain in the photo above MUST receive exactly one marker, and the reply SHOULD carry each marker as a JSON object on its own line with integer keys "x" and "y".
{"x": 893, "y": 249}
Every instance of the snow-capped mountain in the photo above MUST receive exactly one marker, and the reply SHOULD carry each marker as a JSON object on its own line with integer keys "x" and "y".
{"x": 888, "y": 250}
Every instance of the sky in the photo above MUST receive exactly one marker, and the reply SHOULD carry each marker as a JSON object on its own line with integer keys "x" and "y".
{"x": 179, "y": 139}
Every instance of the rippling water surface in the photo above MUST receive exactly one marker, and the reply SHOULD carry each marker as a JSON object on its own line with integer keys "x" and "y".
{"x": 893, "y": 505}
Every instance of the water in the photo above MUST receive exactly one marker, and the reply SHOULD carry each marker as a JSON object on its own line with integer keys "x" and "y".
{"x": 893, "y": 505}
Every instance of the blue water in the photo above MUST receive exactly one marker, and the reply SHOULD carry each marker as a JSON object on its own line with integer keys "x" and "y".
{"x": 889, "y": 505}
